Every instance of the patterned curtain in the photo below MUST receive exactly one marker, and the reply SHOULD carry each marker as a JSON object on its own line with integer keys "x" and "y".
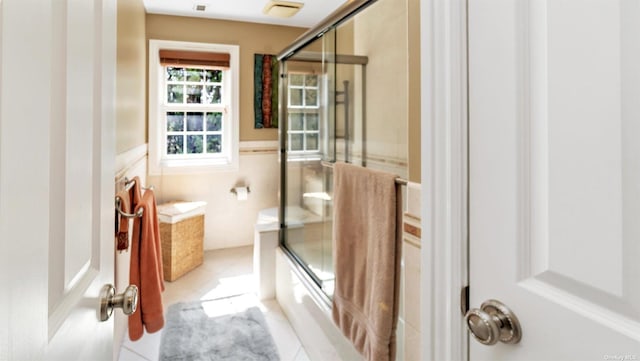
{"x": 265, "y": 89}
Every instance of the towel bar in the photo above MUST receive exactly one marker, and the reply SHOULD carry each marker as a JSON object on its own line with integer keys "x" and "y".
{"x": 125, "y": 214}
{"x": 400, "y": 181}
{"x": 128, "y": 183}
{"x": 127, "y": 186}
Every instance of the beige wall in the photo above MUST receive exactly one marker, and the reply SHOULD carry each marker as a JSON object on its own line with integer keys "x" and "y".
{"x": 252, "y": 38}
{"x": 344, "y": 46}
{"x": 403, "y": 29}
{"x": 229, "y": 222}
{"x": 387, "y": 86}
{"x": 413, "y": 21}
{"x": 131, "y": 80}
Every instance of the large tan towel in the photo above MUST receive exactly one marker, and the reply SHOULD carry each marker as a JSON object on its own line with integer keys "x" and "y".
{"x": 366, "y": 253}
{"x": 146, "y": 269}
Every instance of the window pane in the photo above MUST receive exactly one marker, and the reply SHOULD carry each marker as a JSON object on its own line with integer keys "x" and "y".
{"x": 194, "y": 75}
{"x": 194, "y": 144}
{"x": 175, "y": 121}
{"x": 296, "y": 79}
{"x": 194, "y": 122}
{"x": 194, "y": 94}
{"x": 175, "y": 93}
{"x": 214, "y": 122}
{"x": 296, "y": 142}
{"x": 175, "y": 144}
{"x": 312, "y": 121}
{"x": 214, "y": 143}
{"x": 175, "y": 74}
{"x": 295, "y": 97}
{"x": 213, "y": 94}
{"x": 295, "y": 121}
{"x": 311, "y": 97}
{"x": 213, "y": 76}
{"x": 312, "y": 142}
{"x": 311, "y": 80}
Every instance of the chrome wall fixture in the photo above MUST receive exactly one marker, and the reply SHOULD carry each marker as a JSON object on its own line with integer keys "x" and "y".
{"x": 128, "y": 183}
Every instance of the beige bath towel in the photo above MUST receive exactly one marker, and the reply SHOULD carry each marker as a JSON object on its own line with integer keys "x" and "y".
{"x": 366, "y": 253}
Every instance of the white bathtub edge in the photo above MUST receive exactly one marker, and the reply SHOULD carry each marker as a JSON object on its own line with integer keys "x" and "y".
{"x": 321, "y": 339}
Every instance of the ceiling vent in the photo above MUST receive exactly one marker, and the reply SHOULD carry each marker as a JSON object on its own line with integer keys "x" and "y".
{"x": 282, "y": 9}
{"x": 200, "y": 7}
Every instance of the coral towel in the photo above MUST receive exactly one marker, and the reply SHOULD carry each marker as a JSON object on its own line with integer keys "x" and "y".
{"x": 366, "y": 253}
{"x": 146, "y": 268}
{"x": 128, "y": 201}
{"x": 122, "y": 224}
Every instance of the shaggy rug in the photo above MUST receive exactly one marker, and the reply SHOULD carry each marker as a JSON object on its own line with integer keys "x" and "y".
{"x": 191, "y": 334}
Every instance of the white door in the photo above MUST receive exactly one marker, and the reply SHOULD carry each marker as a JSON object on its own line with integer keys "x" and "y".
{"x": 56, "y": 177}
{"x": 554, "y": 178}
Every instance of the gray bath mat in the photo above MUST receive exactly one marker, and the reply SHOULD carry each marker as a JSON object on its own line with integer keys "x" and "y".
{"x": 190, "y": 334}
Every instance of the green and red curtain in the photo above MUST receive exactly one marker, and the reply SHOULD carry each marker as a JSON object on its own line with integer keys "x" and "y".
{"x": 265, "y": 89}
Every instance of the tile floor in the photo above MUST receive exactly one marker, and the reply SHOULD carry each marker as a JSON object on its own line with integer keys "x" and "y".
{"x": 227, "y": 277}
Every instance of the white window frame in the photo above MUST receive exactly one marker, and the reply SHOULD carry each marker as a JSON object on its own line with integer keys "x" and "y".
{"x": 228, "y": 159}
{"x": 303, "y": 110}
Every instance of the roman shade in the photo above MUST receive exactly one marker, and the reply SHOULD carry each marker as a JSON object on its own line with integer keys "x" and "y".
{"x": 184, "y": 58}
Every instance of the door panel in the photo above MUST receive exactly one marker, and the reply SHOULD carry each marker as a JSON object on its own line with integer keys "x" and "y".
{"x": 80, "y": 88}
{"x": 82, "y": 171}
{"x": 82, "y": 178}
{"x": 554, "y": 174}
{"x": 583, "y": 142}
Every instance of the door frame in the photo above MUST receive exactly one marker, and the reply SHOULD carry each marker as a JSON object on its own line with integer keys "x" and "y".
{"x": 444, "y": 160}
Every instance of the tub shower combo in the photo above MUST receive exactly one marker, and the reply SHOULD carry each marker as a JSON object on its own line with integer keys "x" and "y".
{"x": 323, "y": 120}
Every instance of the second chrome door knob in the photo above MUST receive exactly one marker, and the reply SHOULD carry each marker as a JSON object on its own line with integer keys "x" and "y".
{"x": 493, "y": 322}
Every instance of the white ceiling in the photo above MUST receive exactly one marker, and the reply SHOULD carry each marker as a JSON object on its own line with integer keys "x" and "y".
{"x": 244, "y": 10}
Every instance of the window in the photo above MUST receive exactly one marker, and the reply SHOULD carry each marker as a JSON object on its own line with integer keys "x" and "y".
{"x": 303, "y": 114}
{"x": 193, "y": 107}
{"x": 199, "y": 131}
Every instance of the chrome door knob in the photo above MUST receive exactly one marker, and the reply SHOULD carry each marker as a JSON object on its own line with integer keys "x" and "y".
{"x": 493, "y": 322}
{"x": 128, "y": 301}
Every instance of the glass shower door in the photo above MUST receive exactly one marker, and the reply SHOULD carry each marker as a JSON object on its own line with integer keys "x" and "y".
{"x": 307, "y": 138}
{"x": 322, "y": 108}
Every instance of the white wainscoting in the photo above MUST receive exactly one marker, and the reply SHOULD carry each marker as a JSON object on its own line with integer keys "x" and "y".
{"x": 129, "y": 164}
{"x": 409, "y": 328}
{"x": 229, "y": 222}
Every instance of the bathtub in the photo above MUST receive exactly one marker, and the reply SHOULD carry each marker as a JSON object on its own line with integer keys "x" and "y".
{"x": 305, "y": 305}
{"x": 309, "y": 309}
{"x": 269, "y": 216}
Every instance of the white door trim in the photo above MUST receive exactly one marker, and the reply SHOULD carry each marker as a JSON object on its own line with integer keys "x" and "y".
{"x": 444, "y": 176}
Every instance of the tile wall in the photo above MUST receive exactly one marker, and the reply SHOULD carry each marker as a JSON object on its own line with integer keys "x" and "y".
{"x": 409, "y": 321}
{"x": 228, "y": 221}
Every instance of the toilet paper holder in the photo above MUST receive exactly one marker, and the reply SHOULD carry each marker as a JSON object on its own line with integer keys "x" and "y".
{"x": 233, "y": 190}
